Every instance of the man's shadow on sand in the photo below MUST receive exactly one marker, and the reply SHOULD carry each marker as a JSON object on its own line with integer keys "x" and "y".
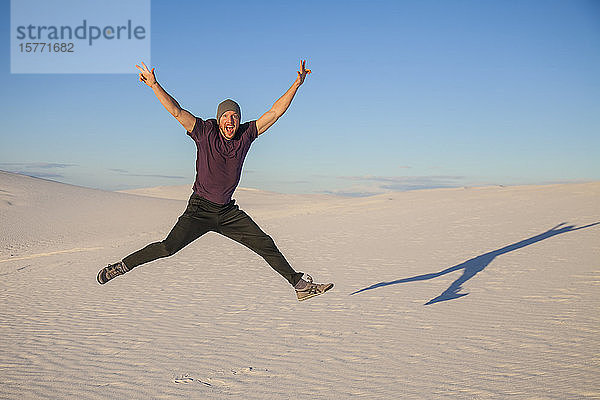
{"x": 474, "y": 265}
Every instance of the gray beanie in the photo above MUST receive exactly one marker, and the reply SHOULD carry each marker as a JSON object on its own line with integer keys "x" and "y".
{"x": 228, "y": 105}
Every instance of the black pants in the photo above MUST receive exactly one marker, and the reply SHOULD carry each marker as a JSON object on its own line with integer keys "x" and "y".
{"x": 202, "y": 216}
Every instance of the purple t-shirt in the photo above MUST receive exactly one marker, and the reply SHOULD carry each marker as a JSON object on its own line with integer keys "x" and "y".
{"x": 219, "y": 161}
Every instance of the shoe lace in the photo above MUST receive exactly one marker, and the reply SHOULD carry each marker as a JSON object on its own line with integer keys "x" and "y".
{"x": 114, "y": 270}
{"x": 311, "y": 288}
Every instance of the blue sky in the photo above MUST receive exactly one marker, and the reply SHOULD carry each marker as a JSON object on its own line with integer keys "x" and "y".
{"x": 404, "y": 95}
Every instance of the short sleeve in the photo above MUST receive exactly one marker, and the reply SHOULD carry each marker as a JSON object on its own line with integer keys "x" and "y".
{"x": 197, "y": 130}
{"x": 252, "y": 131}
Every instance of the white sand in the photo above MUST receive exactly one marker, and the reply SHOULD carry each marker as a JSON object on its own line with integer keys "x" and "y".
{"x": 187, "y": 327}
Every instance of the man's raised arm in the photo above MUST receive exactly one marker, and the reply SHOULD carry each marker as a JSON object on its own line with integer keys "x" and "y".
{"x": 184, "y": 117}
{"x": 282, "y": 104}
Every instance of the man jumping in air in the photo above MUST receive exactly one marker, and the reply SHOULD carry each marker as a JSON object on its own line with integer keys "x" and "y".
{"x": 222, "y": 145}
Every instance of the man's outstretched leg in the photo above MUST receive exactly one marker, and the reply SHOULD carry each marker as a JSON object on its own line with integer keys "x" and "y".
{"x": 192, "y": 224}
{"x": 237, "y": 225}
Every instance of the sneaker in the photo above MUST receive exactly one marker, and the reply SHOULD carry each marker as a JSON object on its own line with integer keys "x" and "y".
{"x": 111, "y": 271}
{"x": 305, "y": 289}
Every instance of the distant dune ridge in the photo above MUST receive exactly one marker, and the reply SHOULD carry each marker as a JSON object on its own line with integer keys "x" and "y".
{"x": 480, "y": 293}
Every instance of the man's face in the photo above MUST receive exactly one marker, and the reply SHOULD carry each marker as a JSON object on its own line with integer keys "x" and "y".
{"x": 229, "y": 124}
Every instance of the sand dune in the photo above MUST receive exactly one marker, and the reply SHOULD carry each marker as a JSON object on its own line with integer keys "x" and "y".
{"x": 481, "y": 293}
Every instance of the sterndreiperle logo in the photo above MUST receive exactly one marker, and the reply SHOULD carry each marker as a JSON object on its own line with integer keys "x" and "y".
{"x": 84, "y": 36}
